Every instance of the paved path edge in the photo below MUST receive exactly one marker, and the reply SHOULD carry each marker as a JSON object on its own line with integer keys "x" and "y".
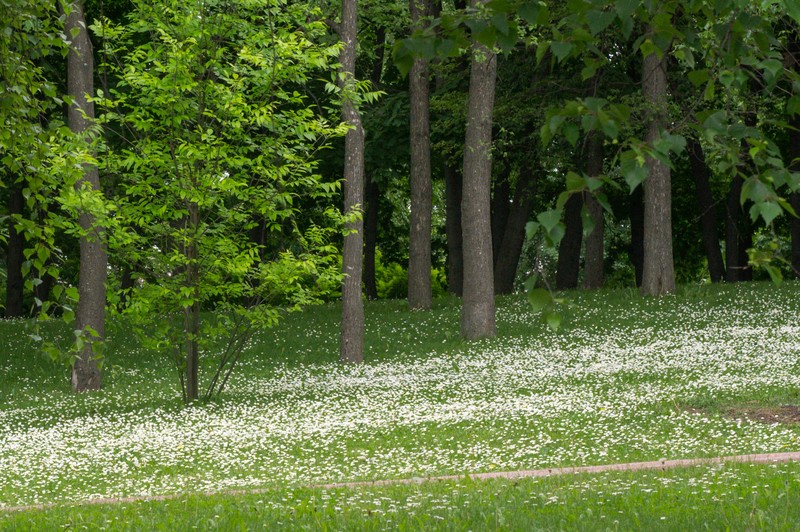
{"x": 526, "y": 473}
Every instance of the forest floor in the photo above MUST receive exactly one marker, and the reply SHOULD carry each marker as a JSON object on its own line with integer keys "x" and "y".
{"x": 297, "y": 438}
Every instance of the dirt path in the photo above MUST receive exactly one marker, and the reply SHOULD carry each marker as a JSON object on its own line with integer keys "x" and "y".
{"x": 632, "y": 466}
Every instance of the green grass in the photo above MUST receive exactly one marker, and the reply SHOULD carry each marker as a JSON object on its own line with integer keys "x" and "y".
{"x": 732, "y": 497}
{"x": 626, "y": 379}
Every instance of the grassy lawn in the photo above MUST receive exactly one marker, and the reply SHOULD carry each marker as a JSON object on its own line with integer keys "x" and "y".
{"x": 626, "y": 379}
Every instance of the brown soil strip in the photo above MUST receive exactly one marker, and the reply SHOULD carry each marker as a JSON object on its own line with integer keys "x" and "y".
{"x": 632, "y": 466}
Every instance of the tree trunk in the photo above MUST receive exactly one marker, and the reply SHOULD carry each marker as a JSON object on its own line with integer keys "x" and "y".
{"x": 505, "y": 268}
{"x": 371, "y": 239}
{"x": 734, "y": 268}
{"x": 453, "y": 181}
{"x": 594, "y": 270}
{"x": 351, "y": 341}
{"x": 372, "y": 189}
{"x": 707, "y": 209}
{"x": 794, "y": 155}
{"x": 191, "y": 313}
{"x": 15, "y": 256}
{"x": 419, "y": 254}
{"x": 501, "y": 206}
{"x": 478, "y": 309}
{"x": 658, "y": 274}
{"x": 90, "y": 315}
{"x": 637, "y": 233}
{"x": 569, "y": 249}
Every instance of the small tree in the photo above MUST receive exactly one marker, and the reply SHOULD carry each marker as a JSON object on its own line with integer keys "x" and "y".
{"x": 219, "y": 142}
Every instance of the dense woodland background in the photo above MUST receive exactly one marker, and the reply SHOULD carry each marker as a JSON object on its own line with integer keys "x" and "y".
{"x": 248, "y": 157}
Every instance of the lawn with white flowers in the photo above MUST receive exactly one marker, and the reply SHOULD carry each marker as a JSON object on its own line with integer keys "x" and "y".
{"x": 626, "y": 379}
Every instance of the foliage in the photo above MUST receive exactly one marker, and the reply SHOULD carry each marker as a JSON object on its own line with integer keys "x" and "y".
{"x": 218, "y": 146}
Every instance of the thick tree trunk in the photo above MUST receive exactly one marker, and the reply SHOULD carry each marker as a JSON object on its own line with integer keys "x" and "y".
{"x": 453, "y": 181}
{"x": 569, "y": 249}
{"x": 734, "y": 268}
{"x": 501, "y": 206}
{"x": 794, "y": 155}
{"x": 90, "y": 313}
{"x": 637, "y": 233}
{"x": 505, "y": 268}
{"x": 478, "y": 309}
{"x": 594, "y": 270}
{"x": 658, "y": 274}
{"x": 419, "y": 254}
{"x": 351, "y": 341}
{"x": 707, "y": 209}
{"x": 15, "y": 256}
{"x": 371, "y": 239}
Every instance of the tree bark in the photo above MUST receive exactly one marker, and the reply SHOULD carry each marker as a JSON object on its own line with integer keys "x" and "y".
{"x": 90, "y": 313}
{"x": 794, "y": 157}
{"x": 15, "y": 256}
{"x": 419, "y": 254}
{"x": 734, "y": 269}
{"x": 594, "y": 271}
{"x": 191, "y": 313}
{"x": 658, "y": 274}
{"x": 707, "y": 210}
{"x": 637, "y": 233}
{"x": 373, "y": 193}
{"x": 505, "y": 268}
{"x": 569, "y": 249}
{"x": 794, "y": 153}
{"x": 453, "y": 181}
{"x": 351, "y": 340}
{"x": 501, "y": 206}
{"x": 478, "y": 308}
{"x": 372, "y": 189}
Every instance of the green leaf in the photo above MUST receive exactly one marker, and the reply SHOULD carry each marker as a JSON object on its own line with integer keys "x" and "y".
{"x": 553, "y": 320}
{"x": 561, "y": 49}
{"x": 774, "y": 274}
{"x": 698, "y": 77}
{"x": 625, "y": 8}
{"x": 575, "y": 182}
{"x": 767, "y": 210}
{"x": 530, "y": 12}
{"x": 539, "y": 299}
{"x": 633, "y": 173}
{"x": 549, "y": 219}
{"x": 572, "y": 133}
{"x": 599, "y": 20}
{"x": 531, "y": 228}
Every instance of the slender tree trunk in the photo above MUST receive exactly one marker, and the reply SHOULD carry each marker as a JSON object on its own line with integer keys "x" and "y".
{"x": 478, "y": 309}
{"x": 708, "y": 212}
{"x": 505, "y": 268}
{"x": 658, "y": 275}
{"x": 372, "y": 189}
{"x": 569, "y": 249}
{"x": 90, "y": 313}
{"x": 637, "y": 233}
{"x": 351, "y": 342}
{"x": 15, "y": 256}
{"x": 191, "y": 318}
{"x": 453, "y": 181}
{"x": 501, "y": 206}
{"x": 734, "y": 268}
{"x": 794, "y": 157}
{"x": 419, "y": 255}
{"x": 373, "y": 193}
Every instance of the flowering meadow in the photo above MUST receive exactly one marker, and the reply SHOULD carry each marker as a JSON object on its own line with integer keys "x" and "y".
{"x": 625, "y": 379}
